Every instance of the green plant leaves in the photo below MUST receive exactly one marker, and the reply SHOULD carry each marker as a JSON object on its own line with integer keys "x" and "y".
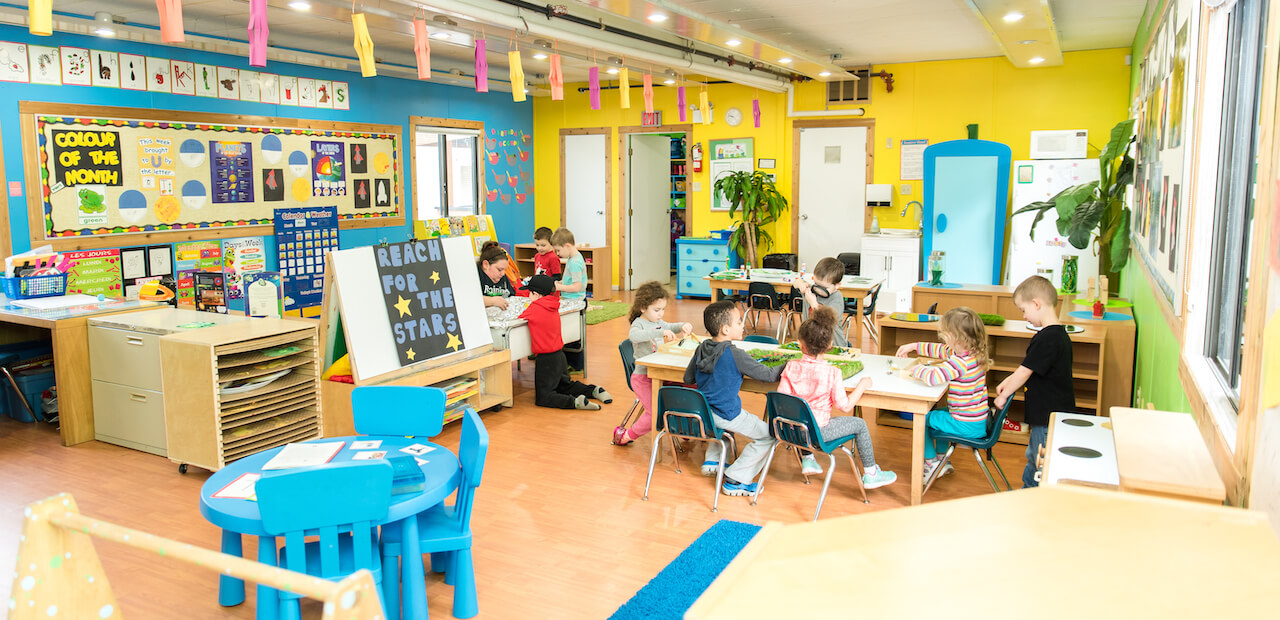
{"x": 1120, "y": 241}
{"x": 1119, "y": 142}
{"x": 755, "y": 196}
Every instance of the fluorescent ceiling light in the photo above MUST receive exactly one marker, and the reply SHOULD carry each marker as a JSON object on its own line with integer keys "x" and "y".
{"x": 1012, "y": 16}
{"x": 1026, "y": 42}
{"x": 612, "y": 71}
{"x": 1035, "y": 60}
{"x": 668, "y": 81}
{"x": 300, "y": 5}
{"x": 539, "y": 56}
{"x": 441, "y": 35}
{"x": 657, "y": 17}
{"x": 785, "y": 61}
{"x": 825, "y": 74}
{"x": 733, "y": 43}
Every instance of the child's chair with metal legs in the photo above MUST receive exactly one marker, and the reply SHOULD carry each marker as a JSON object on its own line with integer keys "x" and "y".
{"x": 995, "y": 423}
{"x": 684, "y": 412}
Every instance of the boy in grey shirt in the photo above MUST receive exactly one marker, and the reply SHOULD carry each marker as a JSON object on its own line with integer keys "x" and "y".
{"x": 825, "y": 291}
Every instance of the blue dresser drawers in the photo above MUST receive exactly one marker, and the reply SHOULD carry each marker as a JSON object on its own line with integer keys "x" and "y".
{"x": 696, "y": 258}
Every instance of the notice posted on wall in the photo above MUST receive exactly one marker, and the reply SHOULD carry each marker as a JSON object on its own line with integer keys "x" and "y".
{"x": 912, "y": 160}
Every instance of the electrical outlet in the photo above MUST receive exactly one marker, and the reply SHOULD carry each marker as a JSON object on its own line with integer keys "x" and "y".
{"x": 697, "y": 186}
{"x": 906, "y": 189}
{"x": 888, "y": 143}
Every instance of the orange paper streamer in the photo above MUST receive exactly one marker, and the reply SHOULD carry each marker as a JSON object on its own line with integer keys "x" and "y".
{"x": 648, "y": 93}
{"x": 557, "y": 79}
{"x": 422, "y": 48}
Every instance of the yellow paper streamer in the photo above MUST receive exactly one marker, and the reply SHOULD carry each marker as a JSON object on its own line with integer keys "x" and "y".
{"x": 704, "y": 103}
{"x": 363, "y": 45}
{"x": 517, "y": 75}
{"x": 40, "y": 16}
{"x": 624, "y": 87}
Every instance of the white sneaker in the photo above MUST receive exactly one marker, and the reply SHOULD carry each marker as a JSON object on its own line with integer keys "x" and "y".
{"x": 929, "y": 466}
{"x": 946, "y": 469}
{"x": 710, "y": 468}
{"x": 809, "y": 466}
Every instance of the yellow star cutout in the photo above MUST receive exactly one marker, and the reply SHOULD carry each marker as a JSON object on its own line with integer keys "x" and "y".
{"x": 410, "y": 354}
{"x": 403, "y": 306}
{"x": 454, "y": 342}
{"x": 435, "y": 277}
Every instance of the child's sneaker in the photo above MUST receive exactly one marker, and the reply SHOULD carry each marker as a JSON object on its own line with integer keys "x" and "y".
{"x": 581, "y": 402}
{"x": 601, "y": 395}
{"x": 620, "y": 437}
{"x": 809, "y": 466}
{"x": 879, "y": 479}
{"x": 710, "y": 468}
{"x": 738, "y": 488}
{"x": 929, "y": 466}
{"x": 946, "y": 469}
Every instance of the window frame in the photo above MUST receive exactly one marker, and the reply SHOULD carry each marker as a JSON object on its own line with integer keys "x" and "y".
{"x": 448, "y": 128}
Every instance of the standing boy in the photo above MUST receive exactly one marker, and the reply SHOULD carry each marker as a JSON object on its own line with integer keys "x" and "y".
{"x": 572, "y": 284}
{"x": 717, "y": 368}
{"x": 1046, "y": 370}
{"x": 546, "y": 262}
{"x": 825, "y": 291}
{"x": 551, "y": 383}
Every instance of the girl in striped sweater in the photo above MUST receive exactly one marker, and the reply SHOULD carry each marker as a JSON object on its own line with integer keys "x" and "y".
{"x": 963, "y": 352}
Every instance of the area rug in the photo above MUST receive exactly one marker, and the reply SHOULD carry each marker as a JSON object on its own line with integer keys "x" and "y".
{"x": 674, "y": 590}
{"x": 601, "y": 311}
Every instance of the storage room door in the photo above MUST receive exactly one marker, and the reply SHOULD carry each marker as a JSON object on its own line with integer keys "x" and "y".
{"x": 833, "y": 187}
{"x": 649, "y": 219}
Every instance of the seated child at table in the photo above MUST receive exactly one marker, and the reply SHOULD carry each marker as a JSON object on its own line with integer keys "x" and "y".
{"x": 963, "y": 351}
{"x": 822, "y": 386}
{"x": 551, "y": 383}
{"x": 647, "y": 330}
{"x": 717, "y": 368}
{"x": 546, "y": 262}
{"x": 825, "y": 291}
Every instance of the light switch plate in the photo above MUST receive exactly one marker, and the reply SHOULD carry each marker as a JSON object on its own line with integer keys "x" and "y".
{"x": 906, "y": 190}
{"x": 697, "y": 186}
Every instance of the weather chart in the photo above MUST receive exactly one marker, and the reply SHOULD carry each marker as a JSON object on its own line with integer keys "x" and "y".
{"x": 303, "y": 237}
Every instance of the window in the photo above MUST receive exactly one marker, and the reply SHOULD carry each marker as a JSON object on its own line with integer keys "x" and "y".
{"x": 446, "y": 165}
{"x": 1233, "y": 203}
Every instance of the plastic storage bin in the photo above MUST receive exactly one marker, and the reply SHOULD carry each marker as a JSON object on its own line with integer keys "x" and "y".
{"x": 31, "y": 287}
{"x": 721, "y": 234}
{"x": 10, "y": 353}
{"x": 32, "y": 382}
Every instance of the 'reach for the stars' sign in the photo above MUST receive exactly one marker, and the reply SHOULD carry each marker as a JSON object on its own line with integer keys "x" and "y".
{"x": 415, "y": 285}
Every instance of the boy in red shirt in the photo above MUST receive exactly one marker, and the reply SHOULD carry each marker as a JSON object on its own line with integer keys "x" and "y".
{"x": 551, "y": 383}
{"x": 546, "y": 262}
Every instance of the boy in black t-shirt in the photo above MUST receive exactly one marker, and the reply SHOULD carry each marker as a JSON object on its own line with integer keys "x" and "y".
{"x": 1046, "y": 370}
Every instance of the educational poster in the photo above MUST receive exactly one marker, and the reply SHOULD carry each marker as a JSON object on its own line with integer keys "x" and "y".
{"x": 106, "y": 69}
{"x": 94, "y": 272}
{"x": 264, "y": 294}
{"x": 240, "y": 257}
{"x": 133, "y": 72}
{"x": 158, "y": 79}
{"x": 306, "y": 92}
{"x": 418, "y": 296}
{"x": 288, "y": 90}
{"x": 198, "y": 255}
{"x": 44, "y": 64}
{"x": 249, "y": 85}
{"x": 210, "y": 292}
{"x": 161, "y": 176}
{"x": 183, "y": 75}
{"x": 76, "y": 66}
{"x": 359, "y": 158}
{"x": 362, "y": 193}
{"x": 13, "y": 62}
{"x": 228, "y": 83}
{"x": 303, "y": 238}
{"x": 270, "y": 88}
{"x": 341, "y": 96}
{"x": 142, "y": 264}
{"x": 324, "y": 94}
{"x": 729, "y": 156}
{"x": 206, "y": 81}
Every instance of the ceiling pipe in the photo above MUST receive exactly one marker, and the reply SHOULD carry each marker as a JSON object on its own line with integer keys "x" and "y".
{"x": 792, "y": 113}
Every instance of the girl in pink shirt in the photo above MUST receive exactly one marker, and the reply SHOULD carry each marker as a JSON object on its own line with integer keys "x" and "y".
{"x": 822, "y": 386}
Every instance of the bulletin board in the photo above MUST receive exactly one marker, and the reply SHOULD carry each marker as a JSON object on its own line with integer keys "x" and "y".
{"x": 478, "y": 227}
{"x": 728, "y": 156}
{"x": 104, "y": 173}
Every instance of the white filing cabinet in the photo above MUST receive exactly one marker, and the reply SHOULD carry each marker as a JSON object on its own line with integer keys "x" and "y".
{"x": 897, "y": 260}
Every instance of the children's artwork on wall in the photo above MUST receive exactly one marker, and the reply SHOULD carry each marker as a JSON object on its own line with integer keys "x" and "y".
{"x": 133, "y": 72}
{"x": 270, "y": 88}
{"x": 142, "y": 264}
{"x": 206, "y": 77}
{"x": 477, "y": 228}
{"x": 95, "y": 272}
{"x": 249, "y": 85}
{"x": 228, "y": 83}
{"x": 76, "y": 66}
{"x": 341, "y": 96}
{"x": 106, "y": 69}
{"x": 45, "y": 64}
{"x": 183, "y": 74}
{"x": 288, "y": 90}
{"x": 158, "y": 75}
{"x": 13, "y": 62}
{"x": 324, "y": 94}
{"x": 307, "y": 92}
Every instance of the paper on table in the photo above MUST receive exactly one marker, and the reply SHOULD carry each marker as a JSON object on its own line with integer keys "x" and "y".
{"x": 304, "y": 455}
{"x": 240, "y": 488}
{"x": 51, "y": 303}
{"x": 417, "y": 449}
{"x": 370, "y": 444}
{"x": 369, "y": 456}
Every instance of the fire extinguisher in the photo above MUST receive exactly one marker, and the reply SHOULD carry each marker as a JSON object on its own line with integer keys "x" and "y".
{"x": 696, "y": 154}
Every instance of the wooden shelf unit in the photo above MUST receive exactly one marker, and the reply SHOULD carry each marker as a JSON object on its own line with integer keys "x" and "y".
{"x": 207, "y": 428}
{"x": 599, "y": 267}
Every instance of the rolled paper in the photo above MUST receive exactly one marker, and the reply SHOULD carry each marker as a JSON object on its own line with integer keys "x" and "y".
{"x": 171, "y": 25}
{"x": 624, "y": 88}
{"x": 517, "y": 75}
{"x": 680, "y": 103}
{"x": 482, "y": 67}
{"x": 648, "y": 93}
{"x": 258, "y": 32}
{"x": 556, "y": 79}
{"x": 422, "y": 48}
{"x": 363, "y": 45}
{"x": 593, "y": 81}
{"x": 706, "y": 107}
{"x": 755, "y": 111}
{"x": 40, "y": 17}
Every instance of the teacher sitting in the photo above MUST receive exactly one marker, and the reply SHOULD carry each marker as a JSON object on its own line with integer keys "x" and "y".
{"x": 494, "y": 283}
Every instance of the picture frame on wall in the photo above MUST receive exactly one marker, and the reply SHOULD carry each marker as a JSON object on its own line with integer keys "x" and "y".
{"x": 767, "y": 164}
{"x": 725, "y": 157}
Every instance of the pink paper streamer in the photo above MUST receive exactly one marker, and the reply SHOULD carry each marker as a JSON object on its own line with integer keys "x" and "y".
{"x": 556, "y": 79}
{"x": 680, "y": 103}
{"x": 258, "y": 32}
{"x": 422, "y": 48}
{"x": 593, "y": 80}
{"x": 648, "y": 93}
{"x": 482, "y": 67}
{"x": 171, "y": 21}
{"x": 755, "y": 111}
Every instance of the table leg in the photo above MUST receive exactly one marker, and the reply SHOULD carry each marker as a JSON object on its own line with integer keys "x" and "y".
{"x": 857, "y": 325}
{"x": 71, "y": 373}
{"x": 268, "y": 598}
{"x": 230, "y": 589}
{"x": 414, "y": 588}
{"x": 917, "y": 457}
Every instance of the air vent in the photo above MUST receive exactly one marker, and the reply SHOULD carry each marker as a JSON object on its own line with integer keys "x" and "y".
{"x": 851, "y": 91}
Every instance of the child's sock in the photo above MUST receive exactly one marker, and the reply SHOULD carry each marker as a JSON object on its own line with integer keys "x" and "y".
{"x": 601, "y": 395}
{"x": 581, "y": 402}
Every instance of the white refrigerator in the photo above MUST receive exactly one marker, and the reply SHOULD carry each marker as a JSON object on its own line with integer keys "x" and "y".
{"x": 1033, "y": 181}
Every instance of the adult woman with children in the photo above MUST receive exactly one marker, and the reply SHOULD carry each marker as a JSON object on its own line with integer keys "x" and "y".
{"x": 494, "y": 283}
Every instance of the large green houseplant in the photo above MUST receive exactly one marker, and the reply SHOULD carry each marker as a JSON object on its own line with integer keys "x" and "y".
{"x": 754, "y": 202}
{"x": 1096, "y": 210}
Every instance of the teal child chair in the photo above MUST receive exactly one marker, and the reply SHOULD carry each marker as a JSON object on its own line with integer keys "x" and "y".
{"x": 791, "y": 422}
{"x": 684, "y": 412}
{"x": 760, "y": 339}
{"x": 627, "y": 350}
{"x": 445, "y": 532}
{"x": 995, "y": 423}
{"x": 399, "y": 410}
{"x": 342, "y": 504}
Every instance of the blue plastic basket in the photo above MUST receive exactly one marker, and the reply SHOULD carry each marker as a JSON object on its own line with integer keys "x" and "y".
{"x": 721, "y": 234}
{"x": 31, "y": 287}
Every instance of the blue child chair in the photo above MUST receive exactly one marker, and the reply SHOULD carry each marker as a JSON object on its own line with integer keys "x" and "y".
{"x": 684, "y": 412}
{"x": 760, "y": 339}
{"x": 445, "y": 531}
{"x": 995, "y": 423}
{"x": 399, "y": 410}
{"x": 627, "y": 350}
{"x": 341, "y": 502}
{"x": 791, "y": 422}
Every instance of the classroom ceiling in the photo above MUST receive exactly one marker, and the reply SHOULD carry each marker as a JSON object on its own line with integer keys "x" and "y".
{"x": 815, "y": 35}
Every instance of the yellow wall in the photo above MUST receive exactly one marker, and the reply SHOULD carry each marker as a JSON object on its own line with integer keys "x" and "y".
{"x": 930, "y": 100}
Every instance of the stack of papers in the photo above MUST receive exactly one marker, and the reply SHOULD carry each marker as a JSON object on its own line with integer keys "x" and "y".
{"x": 297, "y": 455}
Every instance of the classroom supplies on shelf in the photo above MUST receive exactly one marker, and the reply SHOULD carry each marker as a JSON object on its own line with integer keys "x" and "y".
{"x": 31, "y": 287}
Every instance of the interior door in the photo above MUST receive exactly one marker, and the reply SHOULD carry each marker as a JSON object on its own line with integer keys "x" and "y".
{"x": 586, "y": 199}
{"x": 649, "y": 201}
{"x": 832, "y": 199}
{"x": 966, "y": 195}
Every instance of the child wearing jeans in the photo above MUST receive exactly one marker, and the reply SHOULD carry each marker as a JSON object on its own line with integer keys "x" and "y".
{"x": 822, "y": 386}
{"x": 717, "y": 368}
{"x": 551, "y": 383}
{"x": 647, "y": 330}
{"x": 964, "y": 369}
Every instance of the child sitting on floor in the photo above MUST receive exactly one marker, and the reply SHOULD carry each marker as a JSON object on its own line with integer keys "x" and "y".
{"x": 551, "y": 383}
{"x": 647, "y": 330}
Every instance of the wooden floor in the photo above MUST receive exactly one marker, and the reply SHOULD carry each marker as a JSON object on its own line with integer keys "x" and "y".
{"x": 560, "y": 528}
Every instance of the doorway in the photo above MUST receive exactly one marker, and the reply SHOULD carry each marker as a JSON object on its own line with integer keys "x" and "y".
{"x": 654, "y": 165}
{"x": 832, "y": 169}
{"x": 584, "y": 194}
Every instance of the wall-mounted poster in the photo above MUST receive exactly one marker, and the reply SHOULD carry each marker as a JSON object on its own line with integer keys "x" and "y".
{"x": 76, "y": 66}
{"x": 143, "y": 264}
{"x": 95, "y": 272}
{"x": 133, "y": 72}
{"x": 328, "y": 169}
{"x": 232, "y": 171}
{"x": 303, "y": 238}
{"x": 240, "y": 257}
{"x": 13, "y": 62}
{"x": 210, "y": 292}
{"x": 264, "y": 292}
{"x": 45, "y": 64}
{"x": 106, "y": 69}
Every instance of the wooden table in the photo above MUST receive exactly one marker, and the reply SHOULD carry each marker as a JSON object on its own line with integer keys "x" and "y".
{"x": 853, "y": 287}
{"x": 70, "y": 334}
{"x": 1076, "y": 553}
{"x": 1075, "y": 430}
{"x": 888, "y": 391}
{"x": 1163, "y": 453}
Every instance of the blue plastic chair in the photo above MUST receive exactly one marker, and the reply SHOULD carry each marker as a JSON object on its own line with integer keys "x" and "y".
{"x": 791, "y": 422}
{"x": 627, "y": 350}
{"x": 342, "y": 503}
{"x": 684, "y": 412}
{"x": 760, "y": 339}
{"x": 445, "y": 531}
{"x": 399, "y": 410}
{"x": 995, "y": 424}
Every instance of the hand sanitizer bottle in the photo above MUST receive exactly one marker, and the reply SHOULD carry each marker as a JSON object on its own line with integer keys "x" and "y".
{"x": 875, "y": 225}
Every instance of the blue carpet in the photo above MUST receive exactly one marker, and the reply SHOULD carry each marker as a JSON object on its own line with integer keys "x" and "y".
{"x": 675, "y": 589}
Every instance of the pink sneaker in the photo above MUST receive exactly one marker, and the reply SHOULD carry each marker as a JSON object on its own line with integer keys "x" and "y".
{"x": 620, "y": 437}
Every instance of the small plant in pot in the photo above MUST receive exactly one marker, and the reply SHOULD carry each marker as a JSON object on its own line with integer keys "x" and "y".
{"x": 754, "y": 202}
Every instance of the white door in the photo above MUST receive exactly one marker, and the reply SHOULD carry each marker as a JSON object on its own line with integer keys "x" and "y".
{"x": 586, "y": 202}
{"x": 649, "y": 220}
{"x": 832, "y": 199}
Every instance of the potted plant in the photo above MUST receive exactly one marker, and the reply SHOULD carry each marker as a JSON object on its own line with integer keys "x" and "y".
{"x": 1095, "y": 211}
{"x": 754, "y": 202}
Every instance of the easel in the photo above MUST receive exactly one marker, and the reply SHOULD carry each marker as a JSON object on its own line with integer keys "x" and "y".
{"x": 492, "y": 368}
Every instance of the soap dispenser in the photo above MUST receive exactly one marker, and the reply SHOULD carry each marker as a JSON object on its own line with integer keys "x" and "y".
{"x": 875, "y": 224}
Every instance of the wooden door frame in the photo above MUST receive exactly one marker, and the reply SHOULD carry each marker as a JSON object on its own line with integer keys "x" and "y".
{"x": 796, "y": 126}
{"x": 624, "y": 160}
{"x": 608, "y": 181}
{"x": 445, "y": 123}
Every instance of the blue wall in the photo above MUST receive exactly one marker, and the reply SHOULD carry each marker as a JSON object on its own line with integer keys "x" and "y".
{"x": 384, "y": 100}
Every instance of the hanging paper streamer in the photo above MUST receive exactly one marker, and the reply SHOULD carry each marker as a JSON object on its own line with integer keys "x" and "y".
{"x": 517, "y": 75}
{"x": 40, "y": 16}
{"x": 705, "y": 105}
{"x": 258, "y": 32}
{"x": 171, "y": 23}
{"x": 648, "y": 93}
{"x": 624, "y": 88}
{"x": 593, "y": 81}
{"x": 556, "y": 79}
{"x": 482, "y": 67}
{"x": 363, "y": 45}
{"x": 681, "y": 104}
{"x": 755, "y": 110}
{"x": 422, "y": 48}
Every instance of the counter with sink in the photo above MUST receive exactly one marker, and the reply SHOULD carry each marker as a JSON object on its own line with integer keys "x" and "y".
{"x": 893, "y": 254}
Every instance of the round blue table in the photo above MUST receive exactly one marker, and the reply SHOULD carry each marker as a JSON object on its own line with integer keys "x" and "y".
{"x": 239, "y": 517}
